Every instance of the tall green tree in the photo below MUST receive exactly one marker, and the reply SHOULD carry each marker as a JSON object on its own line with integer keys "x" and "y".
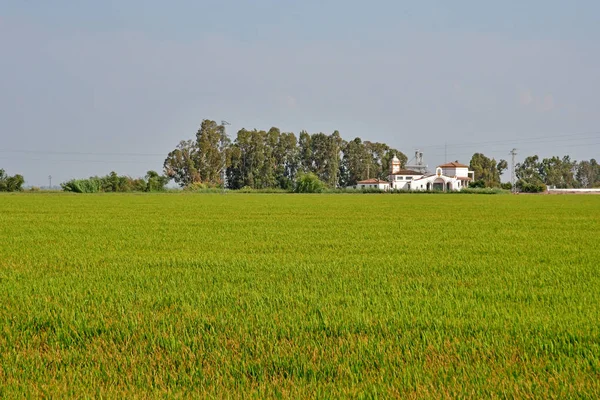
{"x": 306, "y": 150}
{"x": 332, "y": 169}
{"x": 529, "y": 170}
{"x": 212, "y": 142}
{"x": 320, "y": 154}
{"x": 268, "y": 173}
{"x": 257, "y": 156}
{"x": 588, "y": 173}
{"x": 287, "y": 160}
{"x": 487, "y": 169}
{"x": 354, "y": 160}
{"x": 155, "y": 182}
{"x": 558, "y": 172}
{"x": 181, "y": 164}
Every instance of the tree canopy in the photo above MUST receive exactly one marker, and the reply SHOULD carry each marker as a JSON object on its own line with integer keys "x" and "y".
{"x": 558, "y": 172}
{"x": 11, "y": 183}
{"x": 487, "y": 169}
{"x": 153, "y": 182}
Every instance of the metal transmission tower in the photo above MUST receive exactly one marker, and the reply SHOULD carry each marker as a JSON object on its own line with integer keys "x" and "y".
{"x": 224, "y": 170}
{"x": 513, "y": 153}
{"x": 418, "y": 164}
{"x": 50, "y": 182}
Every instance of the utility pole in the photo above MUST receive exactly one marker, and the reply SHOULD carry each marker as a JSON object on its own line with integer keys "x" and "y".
{"x": 513, "y": 153}
{"x": 223, "y": 150}
{"x": 50, "y": 182}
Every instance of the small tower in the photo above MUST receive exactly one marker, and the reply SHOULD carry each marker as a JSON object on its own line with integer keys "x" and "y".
{"x": 395, "y": 165}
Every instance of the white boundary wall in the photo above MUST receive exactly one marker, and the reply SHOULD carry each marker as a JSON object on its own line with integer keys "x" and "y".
{"x": 573, "y": 190}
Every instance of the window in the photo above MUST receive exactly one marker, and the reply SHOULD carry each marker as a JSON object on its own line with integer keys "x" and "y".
{"x": 409, "y": 178}
{"x": 362, "y": 186}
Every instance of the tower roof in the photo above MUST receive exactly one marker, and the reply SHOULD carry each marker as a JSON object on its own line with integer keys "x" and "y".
{"x": 406, "y": 172}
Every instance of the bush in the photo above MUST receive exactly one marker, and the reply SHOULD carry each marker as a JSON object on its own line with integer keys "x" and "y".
{"x": 506, "y": 186}
{"x": 308, "y": 183}
{"x": 477, "y": 184}
{"x": 248, "y": 189}
{"x": 371, "y": 190}
{"x": 530, "y": 187}
{"x": 91, "y": 185}
{"x": 198, "y": 187}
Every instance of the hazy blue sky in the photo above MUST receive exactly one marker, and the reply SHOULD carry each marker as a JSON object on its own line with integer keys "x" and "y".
{"x": 81, "y": 81}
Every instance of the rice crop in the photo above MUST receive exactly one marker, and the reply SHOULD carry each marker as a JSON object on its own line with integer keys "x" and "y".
{"x": 282, "y": 295}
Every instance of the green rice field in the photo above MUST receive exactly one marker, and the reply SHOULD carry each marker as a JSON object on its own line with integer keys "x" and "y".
{"x": 299, "y": 296}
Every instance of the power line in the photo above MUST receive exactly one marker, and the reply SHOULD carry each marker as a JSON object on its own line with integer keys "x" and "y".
{"x": 83, "y": 153}
{"x": 542, "y": 139}
{"x": 499, "y": 153}
{"x": 76, "y": 161}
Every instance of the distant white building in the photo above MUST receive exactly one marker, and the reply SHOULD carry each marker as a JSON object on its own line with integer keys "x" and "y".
{"x": 448, "y": 177}
{"x": 372, "y": 184}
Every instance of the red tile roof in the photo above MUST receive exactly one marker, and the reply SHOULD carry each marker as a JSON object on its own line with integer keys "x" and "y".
{"x": 372, "y": 181}
{"x": 453, "y": 164}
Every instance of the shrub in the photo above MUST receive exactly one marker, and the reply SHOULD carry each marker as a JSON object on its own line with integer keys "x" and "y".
{"x": 308, "y": 183}
{"x": 530, "y": 187}
{"x": 198, "y": 187}
{"x": 506, "y": 186}
{"x": 91, "y": 185}
{"x": 477, "y": 184}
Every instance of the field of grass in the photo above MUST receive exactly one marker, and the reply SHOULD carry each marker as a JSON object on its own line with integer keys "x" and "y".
{"x": 262, "y": 295}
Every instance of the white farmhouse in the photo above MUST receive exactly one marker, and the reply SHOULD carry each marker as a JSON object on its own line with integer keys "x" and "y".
{"x": 448, "y": 177}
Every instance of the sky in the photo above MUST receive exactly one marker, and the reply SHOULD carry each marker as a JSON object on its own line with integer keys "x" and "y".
{"x": 87, "y": 87}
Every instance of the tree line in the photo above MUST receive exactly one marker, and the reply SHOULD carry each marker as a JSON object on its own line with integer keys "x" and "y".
{"x": 153, "y": 182}
{"x": 260, "y": 159}
{"x": 562, "y": 173}
{"x": 534, "y": 175}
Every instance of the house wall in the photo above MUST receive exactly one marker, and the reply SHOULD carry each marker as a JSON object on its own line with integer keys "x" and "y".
{"x": 416, "y": 185}
{"x": 454, "y": 184}
{"x": 402, "y": 184}
{"x": 459, "y": 172}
